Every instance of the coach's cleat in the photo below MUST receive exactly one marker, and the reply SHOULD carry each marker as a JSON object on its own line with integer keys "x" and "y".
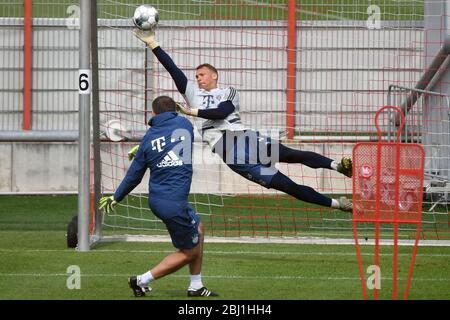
{"x": 345, "y": 166}
{"x": 202, "y": 292}
{"x": 345, "y": 204}
{"x": 138, "y": 291}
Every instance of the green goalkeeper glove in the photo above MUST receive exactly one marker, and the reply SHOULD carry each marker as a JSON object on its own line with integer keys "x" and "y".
{"x": 107, "y": 204}
{"x": 187, "y": 110}
{"x": 132, "y": 152}
{"x": 148, "y": 37}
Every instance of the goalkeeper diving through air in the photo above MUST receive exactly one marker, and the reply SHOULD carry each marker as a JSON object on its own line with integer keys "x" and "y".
{"x": 227, "y": 136}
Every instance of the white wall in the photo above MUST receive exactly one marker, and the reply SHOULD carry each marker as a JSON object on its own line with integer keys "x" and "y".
{"x": 343, "y": 75}
{"x": 53, "y": 167}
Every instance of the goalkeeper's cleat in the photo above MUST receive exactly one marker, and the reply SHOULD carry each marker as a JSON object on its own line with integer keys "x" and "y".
{"x": 345, "y": 204}
{"x": 138, "y": 291}
{"x": 345, "y": 166}
{"x": 202, "y": 292}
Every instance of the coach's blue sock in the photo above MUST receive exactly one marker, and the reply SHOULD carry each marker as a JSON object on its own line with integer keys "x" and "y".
{"x": 304, "y": 193}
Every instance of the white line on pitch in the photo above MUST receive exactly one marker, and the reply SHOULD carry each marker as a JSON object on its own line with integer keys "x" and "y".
{"x": 225, "y": 277}
{"x": 229, "y": 252}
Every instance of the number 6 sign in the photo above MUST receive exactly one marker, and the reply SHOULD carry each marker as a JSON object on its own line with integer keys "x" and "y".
{"x": 84, "y": 81}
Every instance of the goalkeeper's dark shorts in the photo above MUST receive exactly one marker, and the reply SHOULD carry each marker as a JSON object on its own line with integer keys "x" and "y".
{"x": 180, "y": 219}
{"x": 249, "y": 154}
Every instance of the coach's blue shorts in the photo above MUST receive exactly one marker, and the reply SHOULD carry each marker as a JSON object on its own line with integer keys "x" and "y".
{"x": 180, "y": 219}
{"x": 249, "y": 154}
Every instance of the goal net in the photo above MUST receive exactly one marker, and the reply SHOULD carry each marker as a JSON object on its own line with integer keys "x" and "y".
{"x": 347, "y": 54}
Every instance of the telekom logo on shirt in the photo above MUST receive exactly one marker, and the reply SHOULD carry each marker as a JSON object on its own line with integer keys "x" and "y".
{"x": 208, "y": 101}
{"x": 158, "y": 144}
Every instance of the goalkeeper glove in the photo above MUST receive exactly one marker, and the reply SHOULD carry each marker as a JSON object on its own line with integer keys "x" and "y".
{"x": 132, "y": 152}
{"x": 107, "y": 204}
{"x": 148, "y": 37}
{"x": 187, "y": 110}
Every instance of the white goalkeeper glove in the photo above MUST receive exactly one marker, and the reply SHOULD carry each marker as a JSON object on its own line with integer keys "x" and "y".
{"x": 132, "y": 152}
{"x": 107, "y": 204}
{"x": 187, "y": 110}
{"x": 148, "y": 37}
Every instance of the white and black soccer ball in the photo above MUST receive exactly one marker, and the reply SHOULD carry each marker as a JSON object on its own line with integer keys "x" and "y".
{"x": 145, "y": 17}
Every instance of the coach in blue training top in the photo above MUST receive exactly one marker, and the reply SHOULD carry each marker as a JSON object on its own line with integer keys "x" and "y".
{"x": 166, "y": 150}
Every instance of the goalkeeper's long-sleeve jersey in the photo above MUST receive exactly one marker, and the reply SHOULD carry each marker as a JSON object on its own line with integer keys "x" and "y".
{"x": 220, "y": 106}
{"x": 223, "y": 109}
{"x": 166, "y": 150}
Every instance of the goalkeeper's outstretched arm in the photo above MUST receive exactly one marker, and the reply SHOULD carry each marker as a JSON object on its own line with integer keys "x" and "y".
{"x": 148, "y": 37}
{"x": 177, "y": 75}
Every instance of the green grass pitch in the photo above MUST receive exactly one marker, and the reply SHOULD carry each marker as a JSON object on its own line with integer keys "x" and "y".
{"x": 33, "y": 253}
{"x": 231, "y": 9}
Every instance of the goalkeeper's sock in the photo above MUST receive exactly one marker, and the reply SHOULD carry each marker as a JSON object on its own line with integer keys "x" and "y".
{"x": 334, "y": 165}
{"x": 196, "y": 282}
{"x": 145, "y": 279}
{"x": 335, "y": 204}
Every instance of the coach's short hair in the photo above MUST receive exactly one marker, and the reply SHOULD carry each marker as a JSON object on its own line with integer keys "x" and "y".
{"x": 163, "y": 104}
{"x": 208, "y": 66}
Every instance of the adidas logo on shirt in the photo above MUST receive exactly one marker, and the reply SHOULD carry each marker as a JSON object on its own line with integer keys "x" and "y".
{"x": 170, "y": 160}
